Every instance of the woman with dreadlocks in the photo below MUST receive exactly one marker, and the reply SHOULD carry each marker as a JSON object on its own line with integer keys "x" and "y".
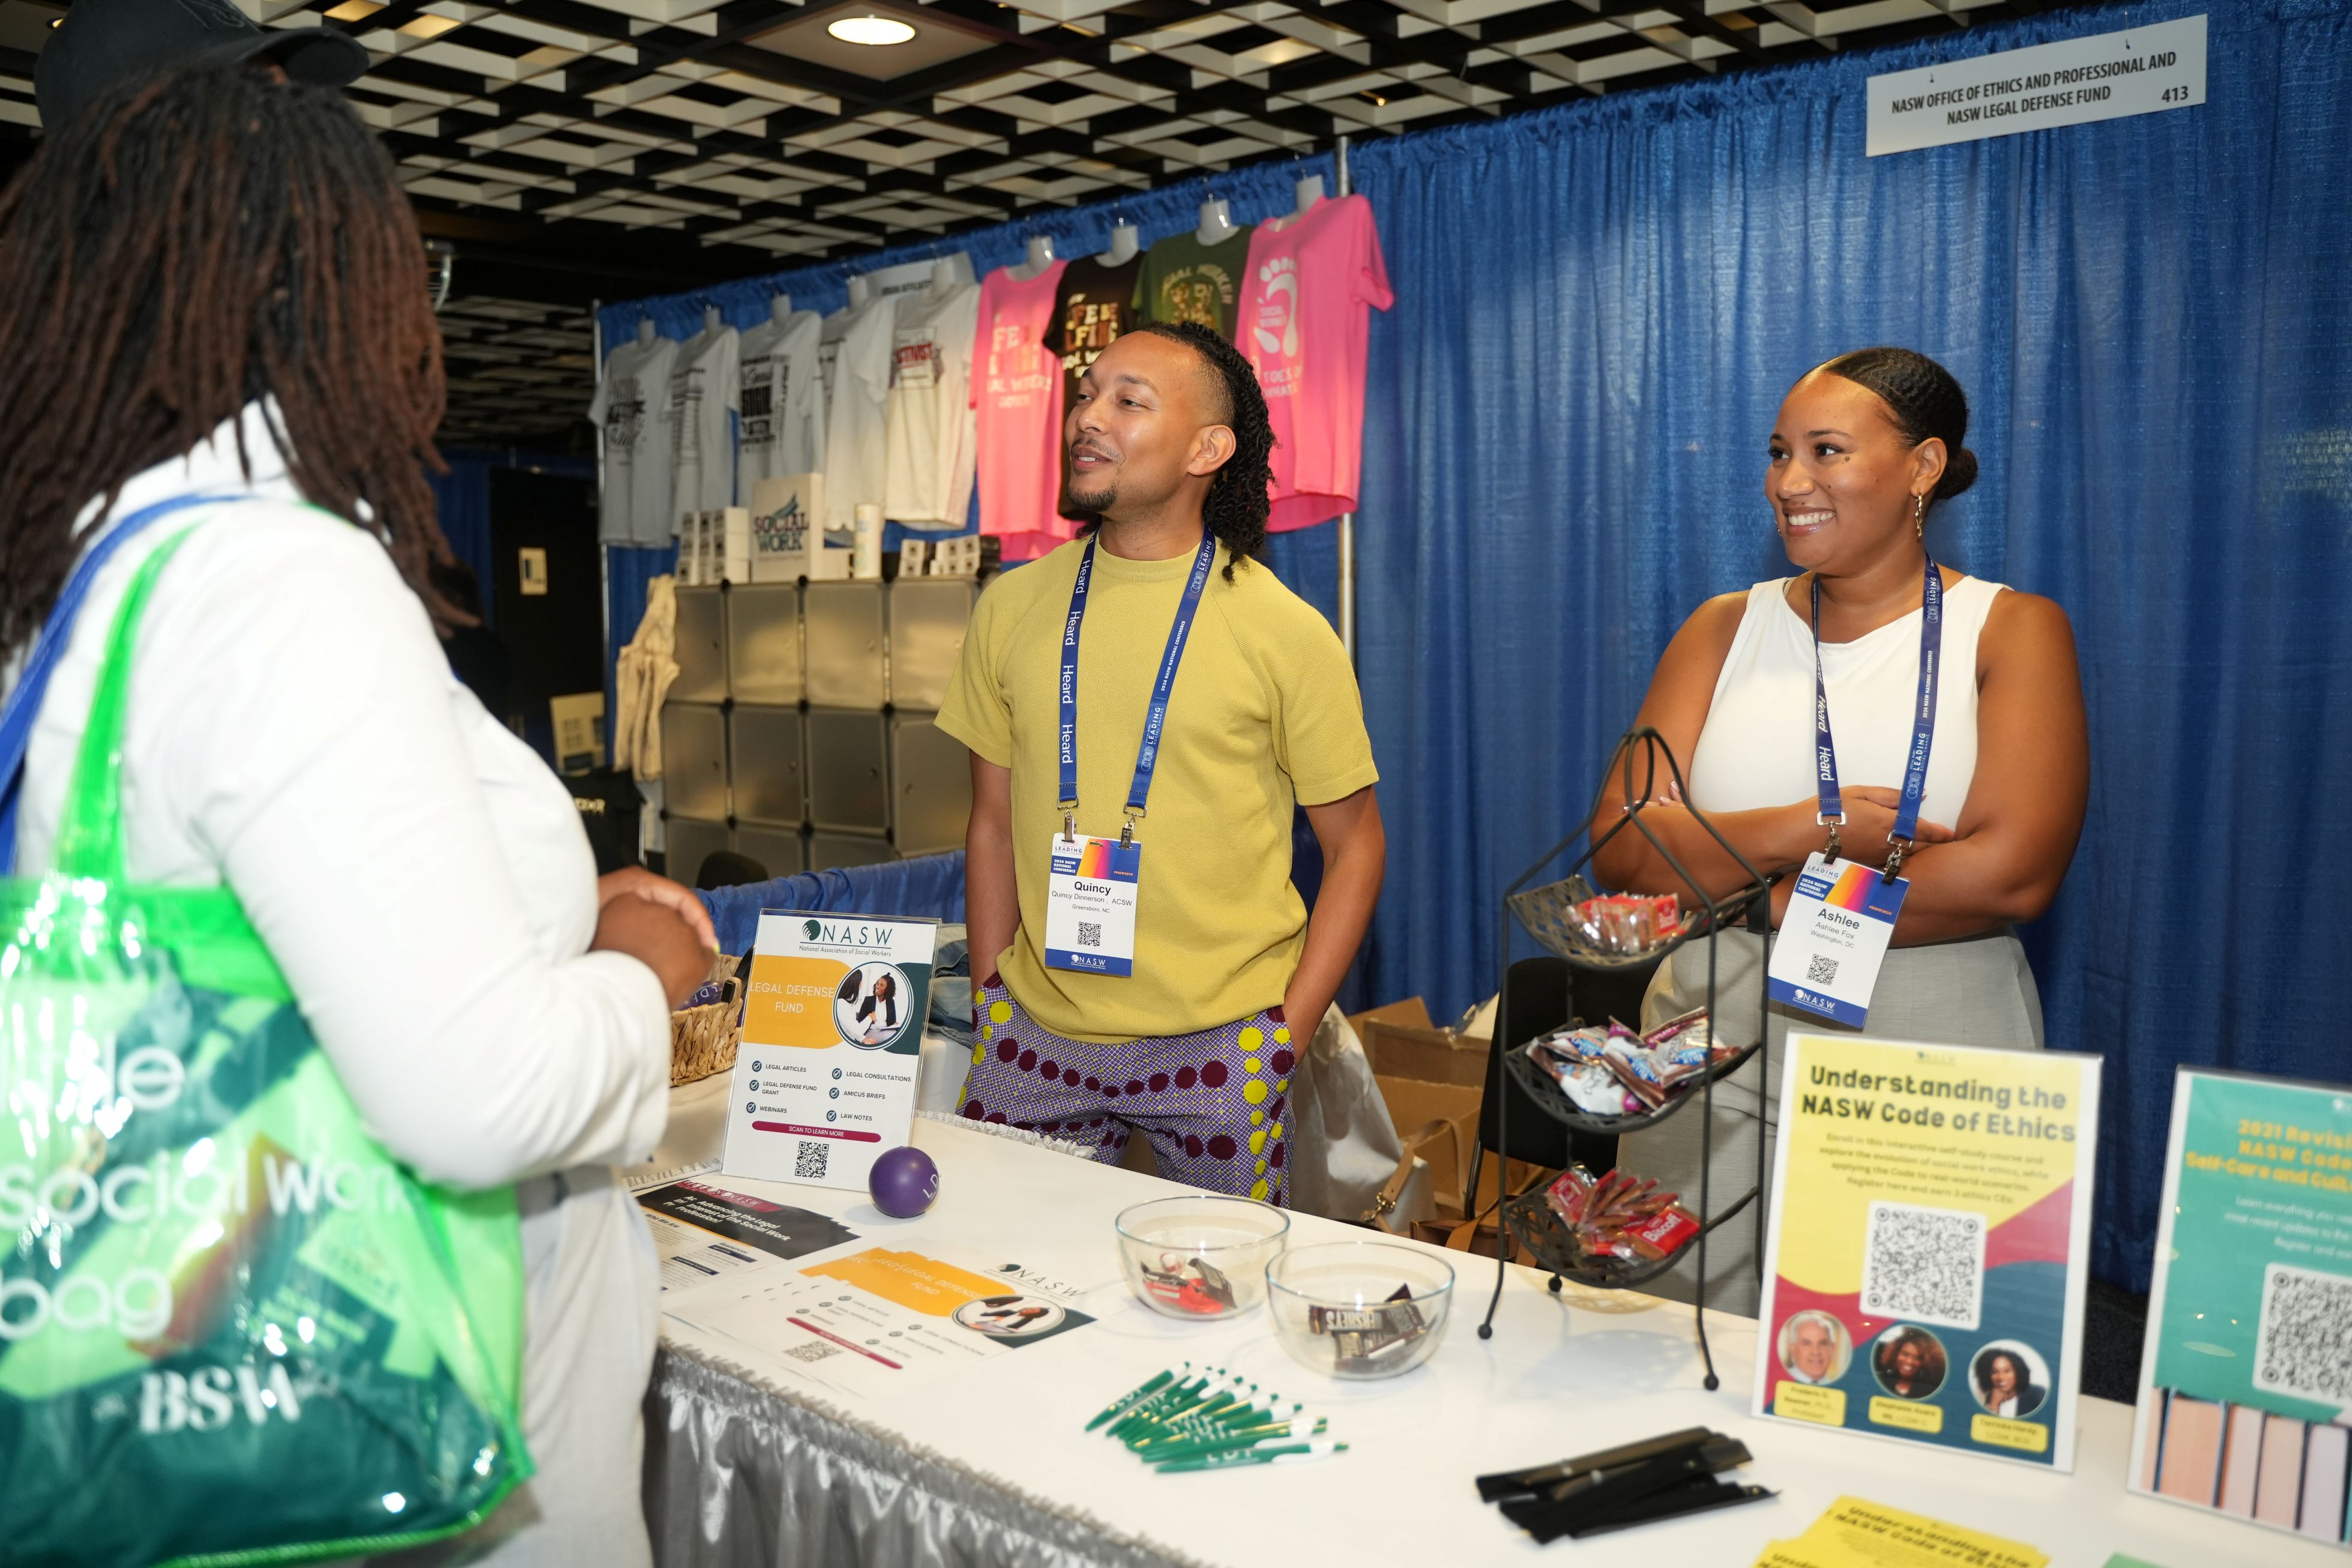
{"x": 212, "y": 287}
{"x": 1145, "y": 708}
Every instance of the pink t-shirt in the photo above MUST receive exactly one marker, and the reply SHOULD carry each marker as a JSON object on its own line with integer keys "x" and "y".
{"x": 1305, "y": 323}
{"x": 1017, "y": 390}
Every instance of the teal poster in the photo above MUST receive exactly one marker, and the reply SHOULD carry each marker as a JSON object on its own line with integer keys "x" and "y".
{"x": 2249, "y": 1360}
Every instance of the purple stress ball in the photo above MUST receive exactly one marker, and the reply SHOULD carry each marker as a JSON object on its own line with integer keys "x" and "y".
{"x": 903, "y": 1181}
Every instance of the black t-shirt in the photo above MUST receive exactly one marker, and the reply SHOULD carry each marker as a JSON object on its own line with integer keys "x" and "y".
{"x": 1093, "y": 306}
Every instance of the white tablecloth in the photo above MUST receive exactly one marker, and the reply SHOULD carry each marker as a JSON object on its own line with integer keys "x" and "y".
{"x": 746, "y": 1466}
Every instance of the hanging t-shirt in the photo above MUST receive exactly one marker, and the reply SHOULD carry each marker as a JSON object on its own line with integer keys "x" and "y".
{"x": 630, "y": 401}
{"x": 1305, "y": 323}
{"x": 1184, "y": 280}
{"x": 782, "y": 430}
{"x": 1094, "y": 304}
{"x": 929, "y": 434}
{"x": 705, "y": 395}
{"x": 1016, "y": 395}
{"x": 856, "y": 353}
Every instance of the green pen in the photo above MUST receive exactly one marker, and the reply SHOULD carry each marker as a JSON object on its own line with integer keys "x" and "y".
{"x": 1175, "y": 1396}
{"x": 1255, "y": 1438}
{"x": 1198, "y": 1414}
{"x": 1281, "y": 1453}
{"x": 1271, "y": 1410}
{"x": 1171, "y": 1401}
{"x": 1146, "y": 1422}
{"x": 1133, "y": 1397}
{"x": 1211, "y": 1431}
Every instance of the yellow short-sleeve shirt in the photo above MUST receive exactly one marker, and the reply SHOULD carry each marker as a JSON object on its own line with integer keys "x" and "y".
{"x": 1265, "y": 713}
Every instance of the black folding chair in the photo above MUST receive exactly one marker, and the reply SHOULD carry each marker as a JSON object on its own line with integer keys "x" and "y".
{"x": 1546, "y": 992}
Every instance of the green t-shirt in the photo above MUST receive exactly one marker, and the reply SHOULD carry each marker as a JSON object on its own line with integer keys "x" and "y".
{"x": 1264, "y": 712}
{"x": 1184, "y": 280}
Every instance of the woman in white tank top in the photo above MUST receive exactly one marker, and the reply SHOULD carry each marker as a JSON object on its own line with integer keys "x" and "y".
{"x": 1864, "y": 445}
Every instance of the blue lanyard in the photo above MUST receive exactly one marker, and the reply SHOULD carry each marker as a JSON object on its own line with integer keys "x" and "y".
{"x": 25, "y": 702}
{"x": 1155, "y": 718}
{"x": 1923, "y": 724}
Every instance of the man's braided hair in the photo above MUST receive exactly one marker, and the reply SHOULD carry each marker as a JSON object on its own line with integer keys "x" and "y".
{"x": 1235, "y": 510}
{"x": 191, "y": 244}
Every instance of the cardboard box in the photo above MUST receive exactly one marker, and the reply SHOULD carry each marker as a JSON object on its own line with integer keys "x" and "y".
{"x": 1430, "y": 1074}
{"x": 1402, "y": 1042}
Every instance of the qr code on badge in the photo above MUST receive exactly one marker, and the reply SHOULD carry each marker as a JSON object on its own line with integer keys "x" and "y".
{"x": 2304, "y": 1347}
{"x": 1821, "y": 970}
{"x": 810, "y": 1166}
{"x": 810, "y": 1351}
{"x": 1923, "y": 1264}
{"x": 1089, "y": 934}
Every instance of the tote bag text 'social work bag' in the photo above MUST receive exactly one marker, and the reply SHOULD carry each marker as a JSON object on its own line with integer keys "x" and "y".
{"x": 232, "y": 1329}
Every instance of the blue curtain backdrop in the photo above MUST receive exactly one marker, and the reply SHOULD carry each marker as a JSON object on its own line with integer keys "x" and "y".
{"x": 1598, "y": 309}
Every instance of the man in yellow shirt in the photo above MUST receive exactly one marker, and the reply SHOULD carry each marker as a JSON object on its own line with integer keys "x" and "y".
{"x": 1144, "y": 706}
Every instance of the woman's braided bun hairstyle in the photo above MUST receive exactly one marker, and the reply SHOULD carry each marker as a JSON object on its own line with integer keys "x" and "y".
{"x": 1925, "y": 400}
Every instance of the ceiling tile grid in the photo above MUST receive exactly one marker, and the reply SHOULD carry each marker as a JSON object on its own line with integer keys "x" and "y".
{"x": 577, "y": 149}
{"x": 745, "y": 123}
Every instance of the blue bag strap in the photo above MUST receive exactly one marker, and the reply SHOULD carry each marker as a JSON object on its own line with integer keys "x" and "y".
{"x": 24, "y": 703}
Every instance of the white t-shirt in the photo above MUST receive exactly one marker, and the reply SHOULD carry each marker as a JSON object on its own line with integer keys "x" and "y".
{"x": 706, "y": 391}
{"x": 857, "y": 352}
{"x": 930, "y": 436}
{"x": 630, "y": 404}
{"x": 422, "y": 881}
{"x": 783, "y": 404}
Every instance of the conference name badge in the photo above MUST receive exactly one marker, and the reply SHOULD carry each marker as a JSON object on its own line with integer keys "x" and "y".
{"x": 1833, "y": 939}
{"x": 1090, "y": 905}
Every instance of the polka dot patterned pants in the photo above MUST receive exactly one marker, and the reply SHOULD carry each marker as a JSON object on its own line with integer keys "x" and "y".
{"x": 1212, "y": 1103}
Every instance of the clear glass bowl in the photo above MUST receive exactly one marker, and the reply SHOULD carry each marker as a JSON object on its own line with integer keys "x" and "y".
{"x": 1359, "y": 1309}
{"x": 1199, "y": 1256}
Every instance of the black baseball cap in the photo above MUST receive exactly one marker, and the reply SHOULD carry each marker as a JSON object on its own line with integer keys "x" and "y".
{"x": 103, "y": 43}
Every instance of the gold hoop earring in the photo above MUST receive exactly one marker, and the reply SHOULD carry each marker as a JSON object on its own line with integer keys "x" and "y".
{"x": 1920, "y": 516}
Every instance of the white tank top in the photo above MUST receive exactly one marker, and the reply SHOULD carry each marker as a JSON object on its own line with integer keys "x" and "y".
{"x": 1756, "y": 748}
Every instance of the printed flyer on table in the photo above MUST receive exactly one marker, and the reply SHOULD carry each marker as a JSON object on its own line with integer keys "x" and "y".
{"x": 1930, "y": 1218}
{"x": 884, "y": 1318}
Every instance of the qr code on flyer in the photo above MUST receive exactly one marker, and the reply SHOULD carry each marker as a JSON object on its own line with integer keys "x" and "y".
{"x": 810, "y": 1165}
{"x": 810, "y": 1351}
{"x": 1923, "y": 1264}
{"x": 2304, "y": 1345}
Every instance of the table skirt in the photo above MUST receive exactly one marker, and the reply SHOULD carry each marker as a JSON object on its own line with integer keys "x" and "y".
{"x": 740, "y": 1473}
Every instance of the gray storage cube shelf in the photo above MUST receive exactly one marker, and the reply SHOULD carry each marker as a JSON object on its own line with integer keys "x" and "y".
{"x": 800, "y": 730}
{"x": 764, "y": 643}
{"x": 845, "y": 636}
{"x": 701, "y": 646}
{"x": 767, "y": 766}
{"x": 932, "y": 783}
{"x": 686, "y": 841}
{"x": 782, "y": 850}
{"x": 848, "y": 772}
{"x": 694, "y": 759}
{"x": 928, "y": 619}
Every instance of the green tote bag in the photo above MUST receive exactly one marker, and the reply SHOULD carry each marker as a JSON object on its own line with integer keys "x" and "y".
{"x": 233, "y": 1329}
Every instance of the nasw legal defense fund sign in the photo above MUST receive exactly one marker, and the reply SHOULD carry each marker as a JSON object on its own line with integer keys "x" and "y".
{"x": 2140, "y": 70}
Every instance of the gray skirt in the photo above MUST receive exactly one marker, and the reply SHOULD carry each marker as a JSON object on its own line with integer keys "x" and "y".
{"x": 1975, "y": 992}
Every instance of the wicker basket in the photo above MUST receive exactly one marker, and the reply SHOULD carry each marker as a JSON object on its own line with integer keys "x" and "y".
{"x": 702, "y": 1039}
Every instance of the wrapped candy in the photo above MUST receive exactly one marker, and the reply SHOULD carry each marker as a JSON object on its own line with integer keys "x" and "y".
{"x": 1609, "y": 1070}
{"x": 1618, "y": 1216}
{"x": 1630, "y": 924}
